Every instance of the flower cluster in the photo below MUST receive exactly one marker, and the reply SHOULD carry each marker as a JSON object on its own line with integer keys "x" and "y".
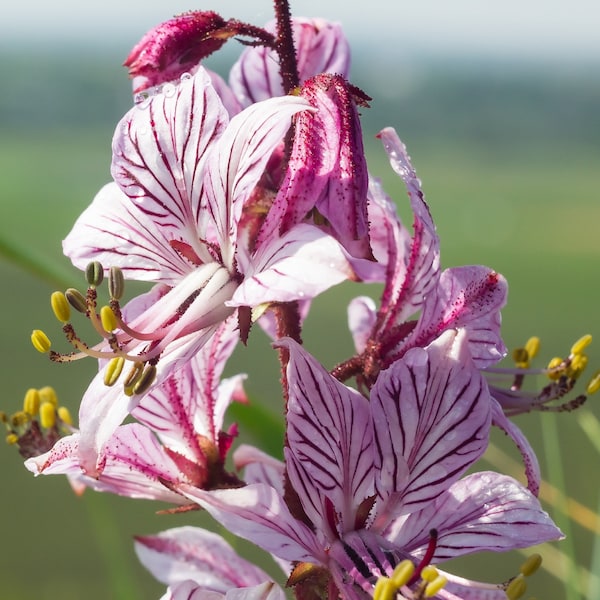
{"x": 241, "y": 202}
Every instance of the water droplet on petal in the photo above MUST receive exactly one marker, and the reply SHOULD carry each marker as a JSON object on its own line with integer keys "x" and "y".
{"x": 185, "y": 76}
{"x": 168, "y": 90}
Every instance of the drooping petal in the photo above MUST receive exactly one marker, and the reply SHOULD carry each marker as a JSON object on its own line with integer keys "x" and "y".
{"x": 160, "y": 149}
{"x": 483, "y": 511}
{"x": 259, "y": 467}
{"x": 299, "y": 265}
{"x": 361, "y": 319}
{"x": 190, "y": 590}
{"x": 412, "y": 273}
{"x": 237, "y": 162}
{"x": 191, "y": 553}
{"x": 259, "y": 514}
{"x": 530, "y": 461}
{"x": 468, "y": 297}
{"x": 437, "y": 404}
{"x": 114, "y": 232}
{"x": 329, "y": 456}
{"x": 321, "y": 47}
{"x": 327, "y": 169}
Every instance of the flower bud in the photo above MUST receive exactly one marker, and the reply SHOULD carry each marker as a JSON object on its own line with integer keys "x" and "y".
{"x": 174, "y": 47}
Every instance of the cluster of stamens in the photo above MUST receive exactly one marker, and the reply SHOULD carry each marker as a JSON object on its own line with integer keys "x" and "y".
{"x": 563, "y": 374}
{"x": 428, "y": 583}
{"x": 41, "y": 422}
{"x": 516, "y": 587}
{"x": 118, "y": 337}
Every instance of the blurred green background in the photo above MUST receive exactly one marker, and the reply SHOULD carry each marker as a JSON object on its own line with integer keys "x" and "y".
{"x": 508, "y": 156}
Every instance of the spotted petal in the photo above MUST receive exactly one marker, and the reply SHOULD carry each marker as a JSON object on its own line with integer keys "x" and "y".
{"x": 437, "y": 404}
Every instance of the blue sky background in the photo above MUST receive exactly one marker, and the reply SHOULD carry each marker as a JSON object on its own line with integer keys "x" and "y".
{"x": 528, "y": 30}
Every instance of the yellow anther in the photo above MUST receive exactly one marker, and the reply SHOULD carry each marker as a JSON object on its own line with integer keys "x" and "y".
{"x": 554, "y": 372}
{"x": 12, "y": 439}
{"x": 133, "y": 377}
{"x": 116, "y": 283}
{"x": 531, "y": 565}
{"x": 532, "y": 346}
{"x": 94, "y": 273}
{"x": 31, "y": 402}
{"x": 77, "y": 300}
{"x": 60, "y": 307}
{"x": 47, "y": 415}
{"x": 40, "y": 341}
{"x": 429, "y": 573}
{"x": 435, "y": 586}
{"x": 145, "y": 381}
{"x": 577, "y": 367}
{"x": 64, "y": 415}
{"x": 108, "y": 319}
{"x": 581, "y": 344}
{"x": 113, "y": 370}
{"x": 521, "y": 358}
{"x": 516, "y": 588}
{"x": 20, "y": 418}
{"x": 384, "y": 589}
{"x": 48, "y": 394}
{"x": 594, "y": 385}
{"x": 403, "y": 572}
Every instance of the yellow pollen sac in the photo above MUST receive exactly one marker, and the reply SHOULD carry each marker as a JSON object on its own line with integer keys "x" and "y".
{"x": 40, "y": 341}
{"x": 20, "y": 418}
{"x": 594, "y": 385}
{"x": 145, "y": 381}
{"x": 403, "y": 572}
{"x": 435, "y": 586}
{"x": 532, "y": 346}
{"x": 577, "y": 366}
{"x": 531, "y": 565}
{"x": 108, "y": 319}
{"x": 77, "y": 300}
{"x": 47, "y": 415}
{"x": 581, "y": 344}
{"x": 516, "y": 588}
{"x": 384, "y": 589}
{"x": 113, "y": 370}
{"x": 31, "y": 402}
{"x": 521, "y": 358}
{"x": 12, "y": 439}
{"x": 554, "y": 373}
{"x": 429, "y": 573}
{"x": 94, "y": 273}
{"x": 60, "y": 307}
{"x": 48, "y": 394}
{"x": 133, "y": 377}
{"x": 64, "y": 415}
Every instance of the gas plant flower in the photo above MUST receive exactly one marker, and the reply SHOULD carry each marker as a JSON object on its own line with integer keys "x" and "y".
{"x": 184, "y": 176}
{"x": 374, "y": 482}
{"x": 178, "y": 437}
{"x": 197, "y": 565}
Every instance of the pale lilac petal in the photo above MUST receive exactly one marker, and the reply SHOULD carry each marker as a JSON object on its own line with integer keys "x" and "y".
{"x": 114, "y": 232}
{"x": 321, "y": 47}
{"x": 265, "y": 591}
{"x": 530, "y": 461}
{"x": 231, "y": 103}
{"x": 483, "y": 511}
{"x": 191, "y": 553}
{"x": 159, "y": 153}
{"x": 190, "y": 590}
{"x": 259, "y": 467}
{"x": 361, "y": 320}
{"x": 299, "y": 265}
{"x": 412, "y": 273}
{"x": 237, "y": 162}
{"x": 329, "y": 455}
{"x": 438, "y": 406}
{"x": 259, "y": 514}
{"x": 61, "y": 459}
{"x": 468, "y": 297}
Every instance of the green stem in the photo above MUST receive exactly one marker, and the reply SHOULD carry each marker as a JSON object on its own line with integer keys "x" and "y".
{"x": 33, "y": 264}
{"x": 556, "y": 477}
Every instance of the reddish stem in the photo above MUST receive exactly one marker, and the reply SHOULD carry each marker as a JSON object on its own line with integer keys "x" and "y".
{"x": 284, "y": 45}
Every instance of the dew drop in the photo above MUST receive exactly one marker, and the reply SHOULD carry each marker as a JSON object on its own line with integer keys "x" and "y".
{"x": 168, "y": 90}
{"x": 185, "y": 76}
